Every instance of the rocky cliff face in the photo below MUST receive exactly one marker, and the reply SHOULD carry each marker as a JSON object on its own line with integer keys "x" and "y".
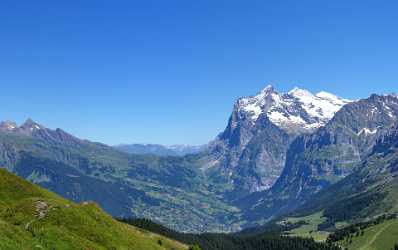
{"x": 369, "y": 191}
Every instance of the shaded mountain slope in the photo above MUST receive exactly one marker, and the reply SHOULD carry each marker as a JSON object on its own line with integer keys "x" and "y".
{"x": 370, "y": 191}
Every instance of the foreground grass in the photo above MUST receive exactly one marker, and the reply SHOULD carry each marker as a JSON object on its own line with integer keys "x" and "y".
{"x": 34, "y": 218}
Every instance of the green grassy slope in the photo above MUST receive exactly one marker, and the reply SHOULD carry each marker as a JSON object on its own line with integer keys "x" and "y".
{"x": 34, "y": 218}
{"x": 377, "y": 237}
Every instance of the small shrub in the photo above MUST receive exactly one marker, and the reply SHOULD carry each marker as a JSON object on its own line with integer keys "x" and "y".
{"x": 160, "y": 242}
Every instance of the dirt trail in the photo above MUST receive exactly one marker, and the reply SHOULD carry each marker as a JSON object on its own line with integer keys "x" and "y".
{"x": 42, "y": 209}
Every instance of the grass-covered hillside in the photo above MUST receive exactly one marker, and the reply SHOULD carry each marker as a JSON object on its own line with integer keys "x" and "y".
{"x": 378, "y": 234}
{"x": 34, "y": 218}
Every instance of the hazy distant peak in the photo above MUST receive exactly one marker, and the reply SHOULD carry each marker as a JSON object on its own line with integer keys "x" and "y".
{"x": 8, "y": 125}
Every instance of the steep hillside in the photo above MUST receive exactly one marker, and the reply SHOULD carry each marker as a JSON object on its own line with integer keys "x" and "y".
{"x": 371, "y": 190}
{"x": 34, "y": 218}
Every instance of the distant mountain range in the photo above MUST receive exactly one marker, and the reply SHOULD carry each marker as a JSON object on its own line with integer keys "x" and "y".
{"x": 280, "y": 154}
{"x": 160, "y": 150}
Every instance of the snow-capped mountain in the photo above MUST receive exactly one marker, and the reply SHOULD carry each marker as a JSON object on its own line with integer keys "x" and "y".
{"x": 298, "y": 109}
{"x": 251, "y": 152}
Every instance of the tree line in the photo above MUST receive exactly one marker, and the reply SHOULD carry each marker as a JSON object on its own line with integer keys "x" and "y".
{"x": 218, "y": 241}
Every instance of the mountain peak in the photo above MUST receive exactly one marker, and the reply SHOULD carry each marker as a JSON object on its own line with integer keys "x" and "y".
{"x": 267, "y": 91}
{"x": 8, "y": 125}
{"x": 31, "y": 125}
{"x": 269, "y": 88}
{"x": 297, "y": 92}
{"x": 29, "y": 121}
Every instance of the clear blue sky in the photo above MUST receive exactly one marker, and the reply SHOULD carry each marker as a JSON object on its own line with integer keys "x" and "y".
{"x": 169, "y": 71}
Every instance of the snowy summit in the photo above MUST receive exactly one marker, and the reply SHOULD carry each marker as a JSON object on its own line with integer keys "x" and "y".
{"x": 298, "y": 109}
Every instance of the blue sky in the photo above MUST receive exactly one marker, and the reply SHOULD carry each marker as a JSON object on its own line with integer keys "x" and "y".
{"x": 169, "y": 71}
